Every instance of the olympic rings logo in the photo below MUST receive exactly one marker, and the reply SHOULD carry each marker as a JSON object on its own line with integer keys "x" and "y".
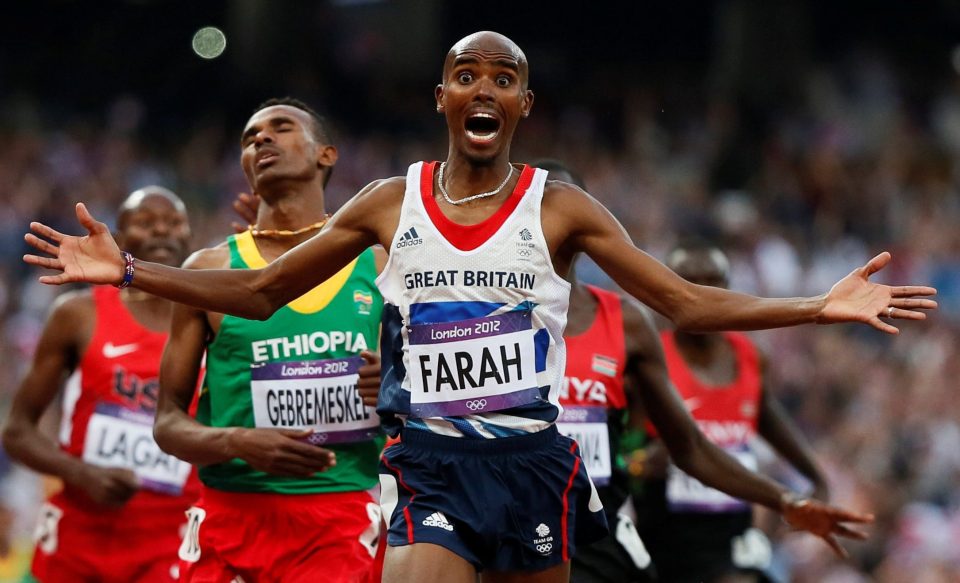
{"x": 524, "y": 252}
{"x": 317, "y": 438}
{"x": 477, "y": 404}
{"x": 544, "y": 548}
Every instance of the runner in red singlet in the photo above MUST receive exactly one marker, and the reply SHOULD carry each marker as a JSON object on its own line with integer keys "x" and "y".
{"x": 616, "y": 375}
{"x": 119, "y": 516}
{"x": 694, "y": 532}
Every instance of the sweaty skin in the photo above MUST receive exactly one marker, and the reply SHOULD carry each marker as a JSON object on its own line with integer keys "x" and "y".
{"x": 489, "y": 80}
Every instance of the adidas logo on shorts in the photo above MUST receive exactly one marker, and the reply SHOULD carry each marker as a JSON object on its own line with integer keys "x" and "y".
{"x": 409, "y": 239}
{"x": 439, "y": 520}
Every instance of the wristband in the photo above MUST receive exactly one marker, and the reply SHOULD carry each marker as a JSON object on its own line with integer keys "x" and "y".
{"x": 128, "y": 268}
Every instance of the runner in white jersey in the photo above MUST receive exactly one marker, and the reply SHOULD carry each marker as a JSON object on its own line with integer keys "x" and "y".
{"x": 505, "y": 531}
{"x": 497, "y": 281}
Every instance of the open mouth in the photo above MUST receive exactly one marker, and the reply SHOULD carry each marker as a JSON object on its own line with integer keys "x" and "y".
{"x": 266, "y": 160}
{"x": 482, "y": 127}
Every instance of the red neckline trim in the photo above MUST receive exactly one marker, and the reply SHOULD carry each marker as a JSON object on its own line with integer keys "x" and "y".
{"x": 691, "y": 375}
{"x": 469, "y": 237}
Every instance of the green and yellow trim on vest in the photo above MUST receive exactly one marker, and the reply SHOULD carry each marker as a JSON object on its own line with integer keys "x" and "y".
{"x": 314, "y": 300}
{"x": 335, "y": 320}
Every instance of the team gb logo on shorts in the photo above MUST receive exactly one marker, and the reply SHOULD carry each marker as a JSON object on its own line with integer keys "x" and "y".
{"x": 544, "y": 542}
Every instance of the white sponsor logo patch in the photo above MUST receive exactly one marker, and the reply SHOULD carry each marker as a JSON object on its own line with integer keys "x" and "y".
{"x": 439, "y": 520}
{"x": 111, "y": 350}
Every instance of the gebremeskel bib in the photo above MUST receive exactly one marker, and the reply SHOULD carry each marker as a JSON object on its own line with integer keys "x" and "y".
{"x": 297, "y": 370}
{"x": 473, "y": 317}
{"x": 118, "y": 437}
{"x": 313, "y": 394}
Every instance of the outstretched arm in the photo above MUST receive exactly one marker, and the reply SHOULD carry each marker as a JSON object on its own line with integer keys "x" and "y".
{"x": 574, "y": 221}
{"x": 778, "y": 430}
{"x": 693, "y": 453}
{"x": 369, "y": 218}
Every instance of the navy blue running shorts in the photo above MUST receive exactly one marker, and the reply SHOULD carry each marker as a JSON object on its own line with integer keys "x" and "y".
{"x": 508, "y": 504}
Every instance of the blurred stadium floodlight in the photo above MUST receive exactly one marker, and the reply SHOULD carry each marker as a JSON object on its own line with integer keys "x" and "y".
{"x": 209, "y": 42}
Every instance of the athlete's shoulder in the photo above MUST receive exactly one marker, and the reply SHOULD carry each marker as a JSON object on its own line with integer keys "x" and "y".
{"x": 384, "y": 188}
{"x": 73, "y": 303}
{"x": 568, "y": 200}
{"x": 217, "y": 257}
{"x": 72, "y": 318}
{"x": 373, "y": 199}
{"x": 375, "y": 209}
{"x": 558, "y": 189}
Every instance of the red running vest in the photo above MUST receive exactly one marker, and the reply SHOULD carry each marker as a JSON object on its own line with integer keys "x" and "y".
{"x": 109, "y": 406}
{"x": 593, "y": 385}
{"x": 596, "y": 358}
{"x": 727, "y": 414}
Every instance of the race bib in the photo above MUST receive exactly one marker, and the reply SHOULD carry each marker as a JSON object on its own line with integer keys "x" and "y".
{"x": 121, "y": 438}
{"x": 588, "y": 427}
{"x": 472, "y": 366}
{"x": 320, "y": 395}
{"x": 687, "y": 494}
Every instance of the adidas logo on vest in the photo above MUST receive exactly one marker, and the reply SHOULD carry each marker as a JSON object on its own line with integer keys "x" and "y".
{"x": 439, "y": 520}
{"x": 409, "y": 239}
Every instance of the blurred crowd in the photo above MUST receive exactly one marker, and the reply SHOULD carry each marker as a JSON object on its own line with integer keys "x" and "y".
{"x": 853, "y": 168}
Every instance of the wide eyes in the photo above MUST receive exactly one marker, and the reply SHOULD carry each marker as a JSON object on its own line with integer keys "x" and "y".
{"x": 466, "y": 77}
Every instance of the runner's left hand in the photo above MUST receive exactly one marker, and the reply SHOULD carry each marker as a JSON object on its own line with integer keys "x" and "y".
{"x": 822, "y": 520}
{"x": 857, "y": 299}
{"x": 369, "y": 383}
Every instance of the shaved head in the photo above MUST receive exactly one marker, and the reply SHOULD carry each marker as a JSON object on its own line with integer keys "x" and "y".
{"x": 137, "y": 197}
{"x": 487, "y": 44}
{"x": 152, "y": 224}
{"x": 700, "y": 262}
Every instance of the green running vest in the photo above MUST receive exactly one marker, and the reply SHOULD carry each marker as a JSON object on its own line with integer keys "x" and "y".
{"x": 336, "y": 319}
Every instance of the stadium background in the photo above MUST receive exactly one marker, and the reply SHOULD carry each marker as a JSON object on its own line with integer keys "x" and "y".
{"x": 804, "y": 136}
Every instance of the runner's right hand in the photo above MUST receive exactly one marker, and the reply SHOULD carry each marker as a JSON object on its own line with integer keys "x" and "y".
{"x": 827, "y": 522}
{"x": 111, "y": 487}
{"x": 282, "y": 452}
{"x": 93, "y": 258}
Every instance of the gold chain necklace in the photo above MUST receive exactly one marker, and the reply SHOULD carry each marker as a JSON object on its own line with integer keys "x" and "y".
{"x": 285, "y": 233}
{"x": 446, "y": 196}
